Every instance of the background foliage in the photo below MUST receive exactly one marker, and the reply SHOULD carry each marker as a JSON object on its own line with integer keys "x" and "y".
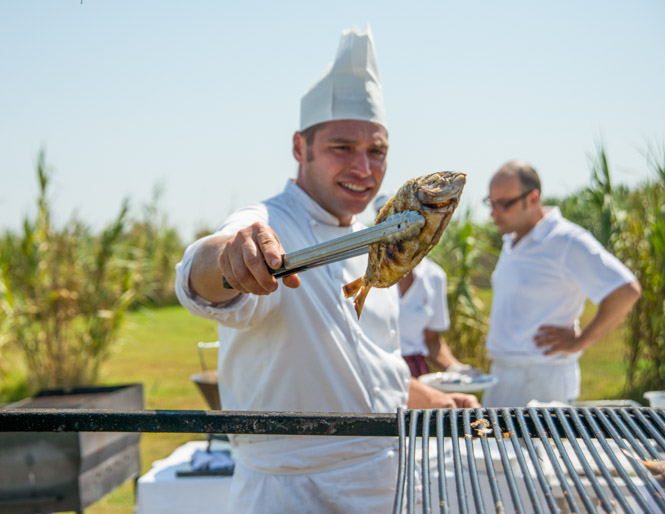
{"x": 64, "y": 291}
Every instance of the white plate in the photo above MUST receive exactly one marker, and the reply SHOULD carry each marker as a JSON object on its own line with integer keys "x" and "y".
{"x": 450, "y": 382}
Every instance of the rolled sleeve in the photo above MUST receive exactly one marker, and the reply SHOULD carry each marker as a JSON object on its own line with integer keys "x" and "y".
{"x": 239, "y": 312}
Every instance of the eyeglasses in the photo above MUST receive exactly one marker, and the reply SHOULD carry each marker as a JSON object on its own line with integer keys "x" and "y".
{"x": 505, "y": 205}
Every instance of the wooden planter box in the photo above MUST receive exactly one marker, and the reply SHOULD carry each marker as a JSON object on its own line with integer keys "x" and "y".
{"x": 68, "y": 471}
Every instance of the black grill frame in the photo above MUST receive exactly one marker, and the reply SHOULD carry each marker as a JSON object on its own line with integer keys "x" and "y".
{"x": 640, "y": 431}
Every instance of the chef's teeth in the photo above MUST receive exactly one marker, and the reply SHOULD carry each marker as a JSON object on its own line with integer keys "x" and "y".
{"x": 353, "y": 187}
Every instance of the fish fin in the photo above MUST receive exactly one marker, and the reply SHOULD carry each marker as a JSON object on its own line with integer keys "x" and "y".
{"x": 360, "y": 299}
{"x": 352, "y": 288}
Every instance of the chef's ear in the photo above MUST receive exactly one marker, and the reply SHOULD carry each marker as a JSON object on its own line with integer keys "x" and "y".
{"x": 299, "y": 147}
{"x": 534, "y": 197}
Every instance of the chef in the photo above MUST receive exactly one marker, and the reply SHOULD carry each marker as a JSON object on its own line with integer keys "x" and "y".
{"x": 298, "y": 345}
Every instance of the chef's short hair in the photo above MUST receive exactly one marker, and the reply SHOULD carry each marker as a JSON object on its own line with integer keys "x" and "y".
{"x": 524, "y": 172}
{"x": 309, "y": 134}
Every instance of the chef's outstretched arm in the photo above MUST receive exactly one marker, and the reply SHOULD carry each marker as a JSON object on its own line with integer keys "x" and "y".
{"x": 243, "y": 259}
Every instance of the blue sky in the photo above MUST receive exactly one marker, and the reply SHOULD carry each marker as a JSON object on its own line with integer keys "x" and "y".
{"x": 201, "y": 98}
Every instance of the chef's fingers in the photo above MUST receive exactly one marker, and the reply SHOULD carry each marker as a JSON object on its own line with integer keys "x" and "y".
{"x": 547, "y": 334}
{"x": 291, "y": 281}
{"x": 463, "y": 400}
{"x": 237, "y": 274}
{"x": 243, "y": 261}
{"x": 268, "y": 244}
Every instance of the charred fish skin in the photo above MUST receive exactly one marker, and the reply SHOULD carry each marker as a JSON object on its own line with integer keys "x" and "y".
{"x": 435, "y": 196}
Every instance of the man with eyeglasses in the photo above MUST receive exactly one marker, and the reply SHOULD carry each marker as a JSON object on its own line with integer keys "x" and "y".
{"x": 547, "y": 269}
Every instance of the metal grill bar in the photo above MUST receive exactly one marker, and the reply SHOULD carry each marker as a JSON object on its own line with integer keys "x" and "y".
{"x": 411, "y": 475}
{"x": 440, "y": 459}
{"x": 522, "y": 460}
{"x": 498, "y": 503}
{"x": 399, "y": 488}
{"x": 457, "y": 460}
{"x": 471, "y": 461}
{"x": 427, "y": 506}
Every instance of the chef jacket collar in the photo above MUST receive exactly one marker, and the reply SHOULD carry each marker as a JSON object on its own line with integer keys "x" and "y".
{"x": 300, "y": 197}
{"x": 545, "y": 225}
{"x": 542, "y": 228}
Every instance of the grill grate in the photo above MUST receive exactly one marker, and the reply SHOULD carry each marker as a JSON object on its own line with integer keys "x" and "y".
{"x": 532, "y": 460}
{"x": 538, "y": 459}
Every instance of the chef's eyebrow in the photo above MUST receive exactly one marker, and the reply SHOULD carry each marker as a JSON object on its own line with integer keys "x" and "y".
{"x": 342, "y": 140}
{"x": 349, "y": 141}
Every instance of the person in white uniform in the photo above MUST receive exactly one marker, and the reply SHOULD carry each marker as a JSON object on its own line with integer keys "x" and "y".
{"x": 547, "y": 269}
{"x": 423, "y": 316}
{"x": 302, "y": 347}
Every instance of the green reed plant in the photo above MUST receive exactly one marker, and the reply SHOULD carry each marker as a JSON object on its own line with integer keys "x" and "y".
{"x": 466, "y": 254}
{"x": 63, "y": 294}
{"x": 642, "y": 245}
{"x": 157, "y": 246}
{"x": 632, "y": 226}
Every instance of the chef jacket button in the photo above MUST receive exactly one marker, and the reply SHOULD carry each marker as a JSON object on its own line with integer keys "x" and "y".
{"x": 377, "y": 390}
{"x": 313, "y": 223}
{"x": 392, "y": 332}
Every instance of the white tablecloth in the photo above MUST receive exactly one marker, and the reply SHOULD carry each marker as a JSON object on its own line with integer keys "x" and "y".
{"x": 160, "y": 491}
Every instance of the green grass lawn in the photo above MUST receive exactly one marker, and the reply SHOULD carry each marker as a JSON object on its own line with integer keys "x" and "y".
{"x": 158, "y": 348}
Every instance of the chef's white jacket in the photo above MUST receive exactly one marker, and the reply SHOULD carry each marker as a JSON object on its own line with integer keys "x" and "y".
{"x": 544, "y": 279}
{"x": 304, "y": 349}
{"x": 424, "y": 306}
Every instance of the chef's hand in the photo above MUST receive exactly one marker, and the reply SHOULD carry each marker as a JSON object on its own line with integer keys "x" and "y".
{"x": 464, "y": 400}
{"x": 422, "y": 396}
{"x": 557, "y": 339}
{"x": 245, "y": 257}
{"x": 443, "y": 400}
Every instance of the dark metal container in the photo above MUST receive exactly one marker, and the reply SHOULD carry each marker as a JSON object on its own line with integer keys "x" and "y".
{"x": 68, "y": 471}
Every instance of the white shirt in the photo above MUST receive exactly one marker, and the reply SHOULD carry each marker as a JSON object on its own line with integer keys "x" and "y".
{"x": 545, "y": 279}
{"x": 304, "y": 349}
{"x": 424, "y": 306}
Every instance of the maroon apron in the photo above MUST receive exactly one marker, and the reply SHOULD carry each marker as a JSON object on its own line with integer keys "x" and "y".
{"x": 417, "y": 364}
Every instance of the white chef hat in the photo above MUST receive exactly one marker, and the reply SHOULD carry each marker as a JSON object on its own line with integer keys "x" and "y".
{"x": 350, "y": 87}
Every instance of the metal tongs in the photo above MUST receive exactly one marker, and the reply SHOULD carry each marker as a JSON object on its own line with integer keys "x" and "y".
{"x": 400, "y": 226}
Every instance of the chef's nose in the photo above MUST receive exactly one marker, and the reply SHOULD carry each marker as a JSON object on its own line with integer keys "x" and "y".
{"x": 361, "y": 164}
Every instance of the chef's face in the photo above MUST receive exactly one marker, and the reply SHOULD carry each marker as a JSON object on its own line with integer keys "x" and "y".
{"x": 511, "y": 204}
{"x": 343, "y": 167}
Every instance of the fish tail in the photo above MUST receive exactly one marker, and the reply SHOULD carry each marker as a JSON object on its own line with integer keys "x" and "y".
{"x": 352, "y": 288}
{"x": 360, "y": 299}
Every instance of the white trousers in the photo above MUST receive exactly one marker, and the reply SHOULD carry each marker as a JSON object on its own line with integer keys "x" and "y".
{"x": 362, "y": 487}
{"x": 518, "y": 384}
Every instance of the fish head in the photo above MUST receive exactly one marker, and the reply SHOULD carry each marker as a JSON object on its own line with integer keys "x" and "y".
{"x": 440, "y": 192}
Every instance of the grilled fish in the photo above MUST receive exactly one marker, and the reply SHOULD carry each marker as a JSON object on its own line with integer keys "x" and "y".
{"x": 436, "y": 197}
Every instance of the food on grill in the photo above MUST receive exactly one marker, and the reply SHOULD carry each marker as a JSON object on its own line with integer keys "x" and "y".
{"x": 436, "y": 197}
{"x": 656, "y": 467}
{"x": 482, "y": 427}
